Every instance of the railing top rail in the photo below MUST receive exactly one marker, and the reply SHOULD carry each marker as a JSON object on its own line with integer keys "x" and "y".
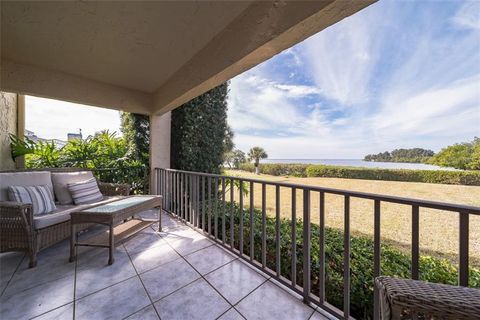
{"x": 364, "y": 195}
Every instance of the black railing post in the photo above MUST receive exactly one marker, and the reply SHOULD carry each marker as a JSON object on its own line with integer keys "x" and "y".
{"x": 321, "y": 293}
{"x": 252, "y": 205}
{"x": 264, "y": 226}
{"x": 306, "y": 246}
{"x": 346, "y": 259}
{"x": 223, "y": 212}
{"x": 241, "y": 219}
{"x": 376, "y": 259}
{"x": 232, "y": 213}
{"x": 277, "y": 231}
{"x": 463, "y": 250}
{"x": 294, "y": 237}
{"x": 415, "y": 242}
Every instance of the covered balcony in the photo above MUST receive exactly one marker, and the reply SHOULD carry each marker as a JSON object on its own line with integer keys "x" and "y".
{"x": 221, "y": 252}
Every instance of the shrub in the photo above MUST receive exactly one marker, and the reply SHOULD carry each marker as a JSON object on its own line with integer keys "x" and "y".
{"x": 104, "y": 153}
{"x": 393, "y": 262}
{"x": 428, "y": 176}
{"x": 278, "y": 169}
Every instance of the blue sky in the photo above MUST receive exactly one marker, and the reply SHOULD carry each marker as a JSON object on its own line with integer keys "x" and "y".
{"x": 397, "y": 74}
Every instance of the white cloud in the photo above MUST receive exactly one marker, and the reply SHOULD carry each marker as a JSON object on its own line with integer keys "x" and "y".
{"x": 468, "y": 16}
{"x": 53, "y": 119}
{"x": 298, "y": 91}
{"x": 432, "y": 111}
{"x": 341, "y": 59}
{"x": 258, "y": 104}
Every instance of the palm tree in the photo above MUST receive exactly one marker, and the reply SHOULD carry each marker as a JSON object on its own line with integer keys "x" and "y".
{"x": 255, "y": 154}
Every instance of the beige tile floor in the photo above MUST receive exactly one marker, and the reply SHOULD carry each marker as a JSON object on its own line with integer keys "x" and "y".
{"x": 174, "y": 274}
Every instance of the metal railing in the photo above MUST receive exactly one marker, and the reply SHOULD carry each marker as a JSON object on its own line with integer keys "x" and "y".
{"x": 199, "y": 198}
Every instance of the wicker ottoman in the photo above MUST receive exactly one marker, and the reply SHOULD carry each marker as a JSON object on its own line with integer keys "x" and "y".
{"x": 408, "y": 299}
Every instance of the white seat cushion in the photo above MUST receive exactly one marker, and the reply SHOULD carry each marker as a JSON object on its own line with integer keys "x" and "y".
{"x": 62, "y": 213}
{"x": 61, "y": 180}
{"x": 31, "y": 178}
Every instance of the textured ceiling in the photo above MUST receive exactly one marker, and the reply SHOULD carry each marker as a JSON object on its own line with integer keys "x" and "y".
{"x": 135, "y": 45}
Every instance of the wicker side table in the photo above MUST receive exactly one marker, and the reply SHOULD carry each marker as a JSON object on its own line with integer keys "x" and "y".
{"x": 406, "y": 299}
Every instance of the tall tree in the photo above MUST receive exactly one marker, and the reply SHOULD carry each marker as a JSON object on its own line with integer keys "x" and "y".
{"x": 234, "y": 158}
{"x": 136, "y": 131}
{"x": 464, "y": 155}
{"x": 256, "y": 154}
{"x": 199, "y": 132}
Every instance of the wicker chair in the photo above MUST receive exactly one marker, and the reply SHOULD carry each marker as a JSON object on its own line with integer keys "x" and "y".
{"x": 17, "y": 232}
{"x": 414, "y": 299}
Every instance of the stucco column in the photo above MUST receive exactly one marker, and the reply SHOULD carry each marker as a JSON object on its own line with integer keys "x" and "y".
{"x": 160, "y": 130}
{"x": 20, "y": 161}
{"x": 8, "y": 125}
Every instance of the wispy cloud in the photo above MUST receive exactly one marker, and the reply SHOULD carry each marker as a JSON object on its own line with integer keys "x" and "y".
{"x": 398, "y": 74}
{"x": 468, "y": 16}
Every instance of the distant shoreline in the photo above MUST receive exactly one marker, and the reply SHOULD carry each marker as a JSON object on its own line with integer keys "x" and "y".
{"x": 361, "y": 163}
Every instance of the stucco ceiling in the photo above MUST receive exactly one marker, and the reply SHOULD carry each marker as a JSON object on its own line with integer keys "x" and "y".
{"x": 130, "y": 44}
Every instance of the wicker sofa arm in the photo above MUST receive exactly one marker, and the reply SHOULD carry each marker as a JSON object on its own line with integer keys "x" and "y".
{"x": 114, "y": 189}
{"x": 14, "y": 215}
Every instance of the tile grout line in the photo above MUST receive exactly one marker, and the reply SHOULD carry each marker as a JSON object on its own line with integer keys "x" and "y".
{"x": 236, "y": 258}
{"x": 93, "y": 292}
{"x": 40, "y": 284}
{"x": 202, "y": 277}
{"x": 75, "y": 284}
{"x": 141, "y": 281}
{"x": 34, "y": 286}
{"x": 48, "y": 311}
{"x": 13, "y": 273}
{"x": 261, "y": 284}
{"x": 313, "y": 312}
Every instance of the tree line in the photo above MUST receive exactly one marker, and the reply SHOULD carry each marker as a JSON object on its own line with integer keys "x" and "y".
{"x": 464, "y": 156}
{"x": 415, "y": 155}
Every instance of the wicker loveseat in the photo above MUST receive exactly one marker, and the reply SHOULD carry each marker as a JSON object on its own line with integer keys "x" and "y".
{"x": 20, "y": 230}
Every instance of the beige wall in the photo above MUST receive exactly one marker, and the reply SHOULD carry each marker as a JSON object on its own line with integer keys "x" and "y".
{"x": 8, "y": 124}
{"x": 160, "y": 130}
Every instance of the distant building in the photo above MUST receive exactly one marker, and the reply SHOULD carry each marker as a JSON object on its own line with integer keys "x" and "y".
{"x": 75, "y": 136}
{"x": 32, "y": 136}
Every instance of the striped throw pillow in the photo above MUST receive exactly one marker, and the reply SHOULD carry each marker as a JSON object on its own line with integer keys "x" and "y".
{"x": 40, "y": 197}
{"x": 85, "y": 191}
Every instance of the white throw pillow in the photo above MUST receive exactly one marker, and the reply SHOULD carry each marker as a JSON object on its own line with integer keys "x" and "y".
{"x": 61, "y": 180}
{"x": 40, "y": 197}
{"x": 85, "y": 191}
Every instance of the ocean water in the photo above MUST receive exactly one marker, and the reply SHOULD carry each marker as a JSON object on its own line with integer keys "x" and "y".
{"x": 360, "y": 163}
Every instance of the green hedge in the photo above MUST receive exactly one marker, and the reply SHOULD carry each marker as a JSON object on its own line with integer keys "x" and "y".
{"x": 393, "y": 263}
{"x": 428, "y": 176}
{"x": 278, "y": 169}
